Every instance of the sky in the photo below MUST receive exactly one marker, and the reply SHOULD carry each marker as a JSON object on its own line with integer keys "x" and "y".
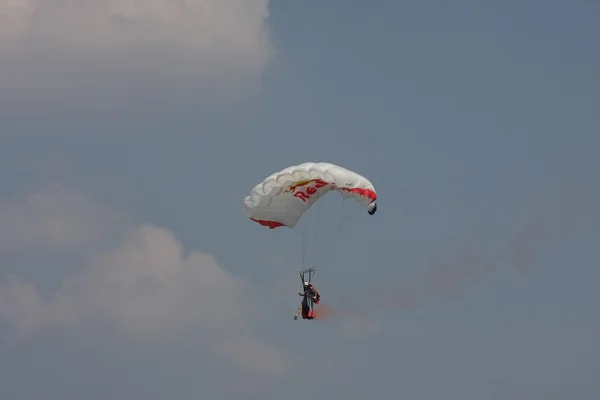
{"x": 130, "y": 132}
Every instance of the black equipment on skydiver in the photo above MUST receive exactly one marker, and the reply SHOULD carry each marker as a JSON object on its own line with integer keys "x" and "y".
{"x": 305, "y": 300}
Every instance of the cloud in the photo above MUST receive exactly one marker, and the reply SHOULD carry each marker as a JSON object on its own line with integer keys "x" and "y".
{"x": 145, "y": 289}
{"x": 54, "y": 51}
{"x": 56, "y": 219}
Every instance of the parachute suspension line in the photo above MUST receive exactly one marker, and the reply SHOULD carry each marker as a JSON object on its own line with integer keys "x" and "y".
{"x": 342, "y": 209}
{"x": 321, "y": 246}
{"x": 303, "y": 247}
{"x": 329, "y": 241}
{"x": 339, "y": 227}
{"x": 351, "y": 217}
{"x": 316, "y": 233}
{"x": 321, "y": 251}
{"x": 309, "y": 246}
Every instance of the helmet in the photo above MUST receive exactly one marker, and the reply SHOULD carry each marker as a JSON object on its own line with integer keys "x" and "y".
{"x": 305, "y": 284}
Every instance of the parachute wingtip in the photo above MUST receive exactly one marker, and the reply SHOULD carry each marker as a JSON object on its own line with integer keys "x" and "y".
{"x": 372, "y": 208}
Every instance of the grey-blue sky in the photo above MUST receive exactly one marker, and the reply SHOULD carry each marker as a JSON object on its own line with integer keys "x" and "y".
{"x": 472, "y": 121}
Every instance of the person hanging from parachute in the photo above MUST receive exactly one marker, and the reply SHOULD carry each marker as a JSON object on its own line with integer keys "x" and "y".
{"x": 311, "y": 296}
{"x": 283, "y": 198}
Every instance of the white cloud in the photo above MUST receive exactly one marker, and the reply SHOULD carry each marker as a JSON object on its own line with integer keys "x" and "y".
{"x": 145, "y": 289}
{"x": 56, "y": 219}
{"x": 56, "y": 49}
{"x": 20, "y": 305}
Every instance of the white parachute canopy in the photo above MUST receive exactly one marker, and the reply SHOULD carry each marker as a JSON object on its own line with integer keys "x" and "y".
{"x": 283, "y": 197}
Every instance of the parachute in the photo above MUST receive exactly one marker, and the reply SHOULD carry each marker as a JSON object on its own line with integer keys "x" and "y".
{"x": 283, "y": 197}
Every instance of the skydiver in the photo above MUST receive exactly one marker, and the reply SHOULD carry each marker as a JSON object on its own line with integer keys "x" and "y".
{"x": 309, "y": 290}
